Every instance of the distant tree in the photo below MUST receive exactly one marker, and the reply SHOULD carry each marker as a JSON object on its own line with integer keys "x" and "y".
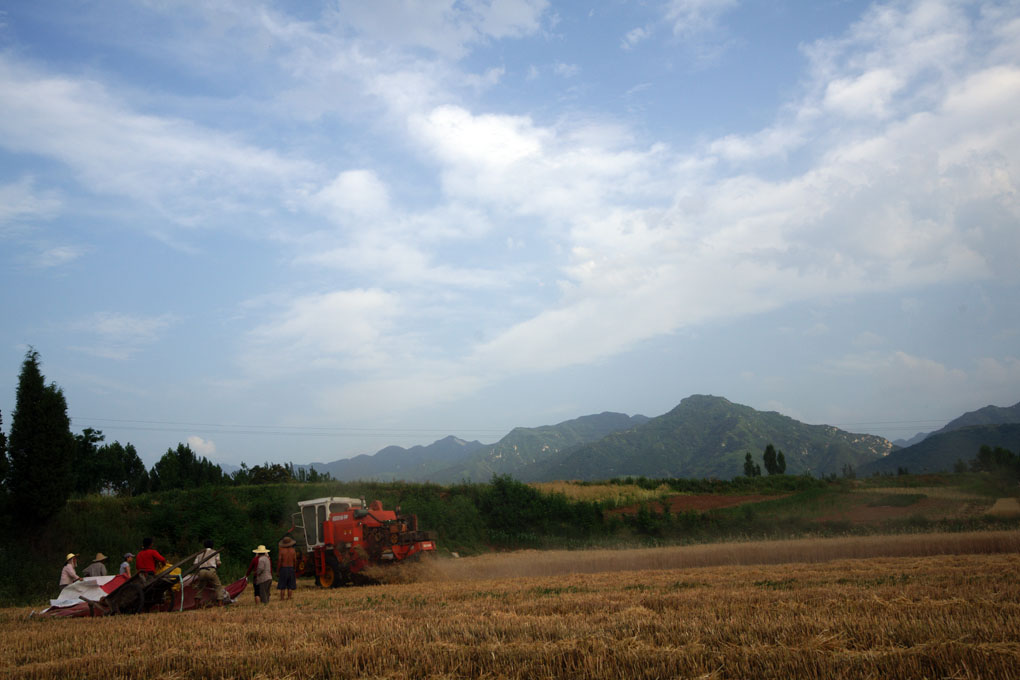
{"x": 4, "y": 462}
{"x": 780, "y": 463}
{"x": 40, "y": 446}
{"x": 123, "y": 472}
{"x": 769, "y": 458}
{"x": 901, "y": 471}
{"x": 88, "y": 473}
{"x": 182, "y": 469}
{"x": 271, "y": 473}
{"x": 241, "y": 476}
{"x": 848, "y": 471}
{"x": 751, "y": 469}
{"x": 960, "y": 466}
{"x": 998, "y": 461}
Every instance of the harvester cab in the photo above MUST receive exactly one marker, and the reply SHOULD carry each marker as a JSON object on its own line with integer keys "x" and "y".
{"x": 342, "y": 536}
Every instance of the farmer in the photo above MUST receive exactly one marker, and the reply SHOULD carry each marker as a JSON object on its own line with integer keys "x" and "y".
{"x": 148, "y": 560}
{"x": 96, "y": 567}
{"x": 263, "y": 573}
{"x": 68, "y": 575}
{"x": 125, "y": 566}
{"x": 287, "y": 564}
{"x": 208, "y": 560}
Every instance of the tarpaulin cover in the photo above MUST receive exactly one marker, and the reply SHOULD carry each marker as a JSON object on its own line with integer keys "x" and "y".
{"x": 91, "y": 587}
{"x": 70, "y": 606}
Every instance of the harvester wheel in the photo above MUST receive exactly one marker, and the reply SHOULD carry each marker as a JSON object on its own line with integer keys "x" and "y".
{"x": 332, "y": 575}
{"x": 327, "y": 577}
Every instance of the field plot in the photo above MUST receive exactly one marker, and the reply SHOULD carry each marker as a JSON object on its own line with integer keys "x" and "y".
{"x": 954, "y": 615}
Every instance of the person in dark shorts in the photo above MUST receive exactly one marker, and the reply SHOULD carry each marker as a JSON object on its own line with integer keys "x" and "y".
{"x": 286, "y": 563}
{"x": 263, "y": 573}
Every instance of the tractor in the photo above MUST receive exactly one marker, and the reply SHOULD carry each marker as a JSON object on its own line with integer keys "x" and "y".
{"x": 342, "y": 536}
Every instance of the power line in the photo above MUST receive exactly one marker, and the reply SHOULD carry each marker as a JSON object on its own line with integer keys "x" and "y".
{"x": 281, "y": 430}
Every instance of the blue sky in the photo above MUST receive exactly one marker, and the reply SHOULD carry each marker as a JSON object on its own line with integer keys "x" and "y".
{"x": 304, "y": 231}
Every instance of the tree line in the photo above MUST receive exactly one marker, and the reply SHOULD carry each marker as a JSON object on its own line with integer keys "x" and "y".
{"x": 42, "y": 463}
{"x": 775, "y": 463}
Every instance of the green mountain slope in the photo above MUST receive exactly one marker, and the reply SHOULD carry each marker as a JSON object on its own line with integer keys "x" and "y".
{"x": 939, "y": 452}
{"x": 525, "y": 446}
{"x": 989, "y": 415}
{"x": 707, "y": 436}
{"x": 396, "y": 462}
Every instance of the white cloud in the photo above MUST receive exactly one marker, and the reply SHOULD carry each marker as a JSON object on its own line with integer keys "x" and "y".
{"x": 58, "y": 256}
{"x": 202, "y": 447}
{"x": 446, "y": 27}
{"x": 566, "y": 70}
{"x": 690, "y": 17}
{"x": 120, "y": 336}
{"x": 864, "y": 95}
{"x": 339, "y": 330}
{"x": 20, "y": 201}
{"x": 635, "y": 36}
{"x": 354, "y": 193}
{"x": 173, "y": 166}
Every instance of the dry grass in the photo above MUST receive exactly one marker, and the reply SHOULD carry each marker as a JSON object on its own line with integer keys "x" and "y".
{"x": 617, "y": 494}
{"x": 1005, "y": 507}
{"x": 877, "y": 617}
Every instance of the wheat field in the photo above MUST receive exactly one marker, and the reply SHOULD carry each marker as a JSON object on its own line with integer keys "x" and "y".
{"x": 794, "y": 613}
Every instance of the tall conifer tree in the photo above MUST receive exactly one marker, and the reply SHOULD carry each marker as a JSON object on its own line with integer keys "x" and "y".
{"x": 41, "y": 446}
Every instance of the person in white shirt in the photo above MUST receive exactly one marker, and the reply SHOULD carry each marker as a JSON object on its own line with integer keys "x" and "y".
{"x": 208, "y": 561}
{"x": 68, "y": 575}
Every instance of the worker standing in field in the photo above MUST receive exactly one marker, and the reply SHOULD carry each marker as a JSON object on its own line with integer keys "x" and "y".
{"x": 125, "y": 566}
{"x": 287, "y": 567}
{"x": 68, "y": 575}
{"x": 96, "y": 567}
{"x": 148, "y": 560}
{"x": 263, "y": 573}
{"x": 208, "y": 562}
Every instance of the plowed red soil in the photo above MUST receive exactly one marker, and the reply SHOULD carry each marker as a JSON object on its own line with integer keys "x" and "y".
{"x": 932, "y": 508}
{"x": 696, "y": 503}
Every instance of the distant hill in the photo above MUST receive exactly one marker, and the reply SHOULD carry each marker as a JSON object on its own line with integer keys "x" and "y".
{"x": 989, "y": 415}
{"x": 526, "y": 446}
{"x": 396, "y": 462}
{"x": 707, "y": 436}
{"x": 940, "y": 451}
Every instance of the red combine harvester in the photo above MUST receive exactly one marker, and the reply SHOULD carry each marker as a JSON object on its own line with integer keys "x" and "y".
{"x": 342, "y": 537}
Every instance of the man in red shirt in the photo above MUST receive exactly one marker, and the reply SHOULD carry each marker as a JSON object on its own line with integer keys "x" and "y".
{"x": 148, "y": 560}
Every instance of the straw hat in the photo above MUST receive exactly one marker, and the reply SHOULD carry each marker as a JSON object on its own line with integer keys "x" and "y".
{"x": 287, "y": 542}
{"x": 99, "y": 557}
{"x": 261, "y": 549}
{"x": 70, "y": 556}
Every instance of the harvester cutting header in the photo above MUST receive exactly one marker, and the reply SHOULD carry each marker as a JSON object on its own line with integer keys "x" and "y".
{"x": 342, "y": 537}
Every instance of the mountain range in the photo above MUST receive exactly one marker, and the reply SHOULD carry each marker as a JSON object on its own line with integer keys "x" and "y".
{"x": 989, "y": 415}
{"x": 703, "y": 436}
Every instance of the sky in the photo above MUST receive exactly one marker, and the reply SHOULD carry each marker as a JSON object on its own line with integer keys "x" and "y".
{"x": 302, "y": 231}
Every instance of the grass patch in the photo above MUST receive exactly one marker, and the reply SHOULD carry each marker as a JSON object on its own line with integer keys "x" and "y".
{"x": 896, "y": 500}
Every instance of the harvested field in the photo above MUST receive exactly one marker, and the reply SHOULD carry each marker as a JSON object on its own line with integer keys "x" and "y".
{"x": 953, "y": 615}
{"x": 696, "y": 503}
{"x": 873, "y": 506}
{"x": 1005, "y": 507}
